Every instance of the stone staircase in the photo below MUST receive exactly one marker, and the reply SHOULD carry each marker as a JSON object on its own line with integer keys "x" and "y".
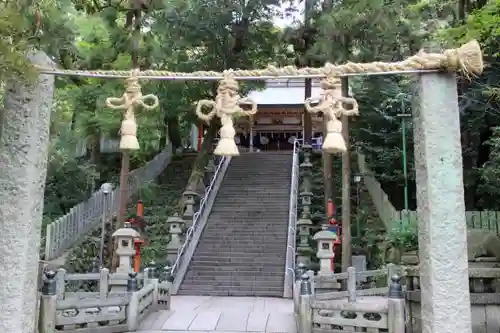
{"x": 242, "y": 249}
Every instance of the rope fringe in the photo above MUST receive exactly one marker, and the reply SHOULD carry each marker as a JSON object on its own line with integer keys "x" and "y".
{"x": 227, "y": 104}
{"x": 132, "y": 97}
{"x": 332, "y": 104}
{"x": 466, "y": 60}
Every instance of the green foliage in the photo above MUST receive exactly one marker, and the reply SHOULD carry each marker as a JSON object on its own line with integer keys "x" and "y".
{"x": 403, "y": 235}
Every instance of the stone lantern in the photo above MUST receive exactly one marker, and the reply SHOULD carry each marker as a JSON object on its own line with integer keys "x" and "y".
{"x": 306, "y": 198}
{"x": 125, "y": 250}
{"x": 325, "y": 254}
{"x": 307, "y": 149}
{"x": 306, "y": 169}
{"x": 189, "y": 202}
{"x": 210, "y": 168}
{"x": 304, "y": 231}
{"x": 175, "y": 226}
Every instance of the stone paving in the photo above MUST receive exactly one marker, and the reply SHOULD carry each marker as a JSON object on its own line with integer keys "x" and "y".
{"x": 205, "y": 314}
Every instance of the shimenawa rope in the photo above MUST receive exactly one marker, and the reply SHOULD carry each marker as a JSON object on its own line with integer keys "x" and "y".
{"x": 226, "y": 105}
{"x": 131, "y": 98}
{"x": 331, "y": 104}
{"x": 467, "y": 60}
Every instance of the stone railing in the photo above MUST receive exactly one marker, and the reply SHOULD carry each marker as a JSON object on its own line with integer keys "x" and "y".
{"x": 292, "y": 224}
{"x": 344, "y": 312}
{"x": 362, "y": 283}
{"x": 66, "y": 231}
{"x": 100, "y": 311}
{"x": 484, "y": 288}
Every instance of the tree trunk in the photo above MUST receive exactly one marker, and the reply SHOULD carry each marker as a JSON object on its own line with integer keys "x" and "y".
{"x": 173, "y": 132}
{"x": 24, "y": 146}
{"x": 346, "y": 188}
{"x": 327, "y": 174}
{"x": 202, "y": 158}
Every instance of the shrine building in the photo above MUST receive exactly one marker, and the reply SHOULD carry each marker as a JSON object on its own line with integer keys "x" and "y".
{"x": 279, "y": 120}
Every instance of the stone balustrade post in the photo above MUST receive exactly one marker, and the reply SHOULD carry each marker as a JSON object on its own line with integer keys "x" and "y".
{"x": 325, "y": 253}
{"x": 299, "y": 271}
{"x": 351, "y": 284}
{"x": 396, "y": 306}
{"x": 153, "y": 279}
{"x": 305, "y": 301}
{"x": 133, "y": 306}
{"x": 175, "y": 226}
{"x": 48, "y": 303}
{"x": 103, "y": 283}
{"x": 167, "y": 277}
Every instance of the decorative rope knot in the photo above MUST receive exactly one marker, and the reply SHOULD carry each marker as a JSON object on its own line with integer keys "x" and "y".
{"x": 467, "y": 60}
{"x": 227, "y": 105}
{"x": 131, "y": 98}
{"x": 332, "y": 104}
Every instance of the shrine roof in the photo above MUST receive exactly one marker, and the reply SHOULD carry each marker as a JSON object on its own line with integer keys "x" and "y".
{"x": 283, "y": 92}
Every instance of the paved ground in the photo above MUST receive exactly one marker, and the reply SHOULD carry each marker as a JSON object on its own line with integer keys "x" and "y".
{"x": 205, "y": 314}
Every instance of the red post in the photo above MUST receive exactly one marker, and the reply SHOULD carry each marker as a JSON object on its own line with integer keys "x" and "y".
{"x": 137, "y": 260}
{"x": 140, "y": 208}
{"x": 334, "y": 226}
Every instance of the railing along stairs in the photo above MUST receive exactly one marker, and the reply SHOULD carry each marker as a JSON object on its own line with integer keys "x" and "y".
{"x": 221, "y": 165}
{"x": 292, "y": 225}
{"x": 69, "y": 229}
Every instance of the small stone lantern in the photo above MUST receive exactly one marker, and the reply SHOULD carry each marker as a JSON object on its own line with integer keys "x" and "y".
{"x": 189, "y": 202}
{"x": 175, "y": 226}
{"x": 306, "y": 197}
{"x": 304, "y": 231}
{"x": 325, "y": 254}
{"x": 125, "y": 251}
{"x": 306, "y": 173}
{"x": 307, "y": 149}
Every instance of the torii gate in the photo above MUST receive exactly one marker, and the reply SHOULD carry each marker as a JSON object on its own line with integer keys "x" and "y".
{"x": 24, "y": 141}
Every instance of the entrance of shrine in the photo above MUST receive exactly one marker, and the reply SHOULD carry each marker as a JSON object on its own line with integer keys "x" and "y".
{"x": 274, "y": 128}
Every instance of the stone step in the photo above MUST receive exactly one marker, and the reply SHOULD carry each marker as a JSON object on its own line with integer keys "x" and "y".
{"x": 236, "y": 282}
{"x": 257, "y": 240}
{"x": 256, "y": 178}
{"x": 244, "y": 230}
{"x": 256, "y": 192}
{"x": 205, "y": 246}
{"x": 239, "y": 292}
{"x": 238, "y": 214}
{"x": 249, "y": 241}
{"x": 210, "y": 267}
{"x": 235, "y": 254}
{"x": 215, "y": 273}
{"x": 255, "y": 204}
{"x": 260, "y": 222}
{"x": 217, "y": 260}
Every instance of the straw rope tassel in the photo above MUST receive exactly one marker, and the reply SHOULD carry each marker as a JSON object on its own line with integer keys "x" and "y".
{"x": 331, "y": 104}
{"x": 226, "y": 105}
{"x": 131, "y": 98}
